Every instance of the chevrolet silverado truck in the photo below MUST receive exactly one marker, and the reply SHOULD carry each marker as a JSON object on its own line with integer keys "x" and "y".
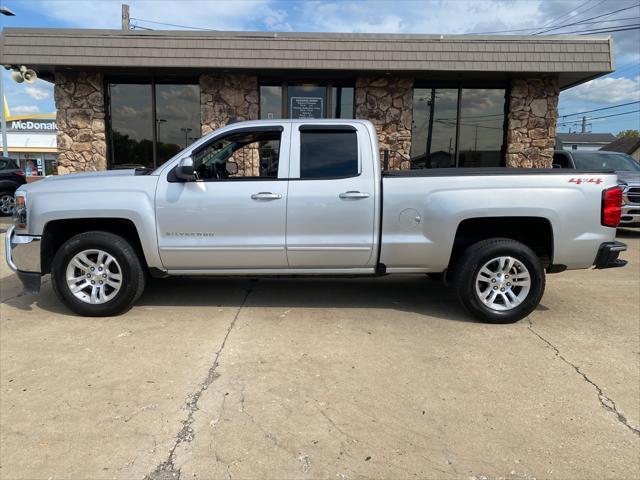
{"x": 627, "y": 169}
{"x": 307, "y": 197}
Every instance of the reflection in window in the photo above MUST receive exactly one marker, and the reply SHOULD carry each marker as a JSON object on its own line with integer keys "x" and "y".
{"x": 239, "y": 155}
{"x": 342, "y": 102}
{"x": 177, "y": 119}
{"x": 270, "y": 102}
{"x": 328, "y": 154}
{"x": 131, "y": 125}
{"x": 481, "y": 128}
{"x": 433, "y": 142}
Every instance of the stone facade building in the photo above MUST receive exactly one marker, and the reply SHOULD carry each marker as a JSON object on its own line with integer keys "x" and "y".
{"x": 435, "y": 101}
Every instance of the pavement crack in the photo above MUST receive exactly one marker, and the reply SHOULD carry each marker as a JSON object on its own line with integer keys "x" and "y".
{"x": 606, "y": 402}
{"x": 167, "y": 470}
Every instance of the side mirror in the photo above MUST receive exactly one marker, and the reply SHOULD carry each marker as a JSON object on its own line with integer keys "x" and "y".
{"x": 231, "y": 167}
{"x": 185, "y": 171}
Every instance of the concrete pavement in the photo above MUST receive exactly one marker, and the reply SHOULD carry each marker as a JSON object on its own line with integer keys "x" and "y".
{"x": 304, "y": 378}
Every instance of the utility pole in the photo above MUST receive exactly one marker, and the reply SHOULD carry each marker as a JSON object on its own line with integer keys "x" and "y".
{"x": 585, "y": 124}
{"x": 5, "y": 146}
{"x": 126, "y": 23}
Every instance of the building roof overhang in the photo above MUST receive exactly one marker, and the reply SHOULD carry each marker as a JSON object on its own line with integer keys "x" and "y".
{"x": 571, "y": 59}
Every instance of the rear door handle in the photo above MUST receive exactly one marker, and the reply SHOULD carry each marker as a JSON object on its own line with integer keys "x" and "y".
{"x": 352, "y": 194}
{"x": 266, "y": 196}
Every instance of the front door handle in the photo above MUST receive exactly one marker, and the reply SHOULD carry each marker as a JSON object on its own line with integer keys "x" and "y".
{"x": 352, "y": 194}
{"x": 266, "y": 196}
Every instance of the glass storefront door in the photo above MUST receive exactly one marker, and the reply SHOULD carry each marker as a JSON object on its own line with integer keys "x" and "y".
{"x": 306, "y": 101}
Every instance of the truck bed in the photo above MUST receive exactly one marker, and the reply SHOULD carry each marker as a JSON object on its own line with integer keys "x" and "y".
{"x": 488, "y": 171}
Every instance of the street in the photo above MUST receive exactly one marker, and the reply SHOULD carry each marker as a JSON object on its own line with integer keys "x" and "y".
{"x": 323, "y": 378}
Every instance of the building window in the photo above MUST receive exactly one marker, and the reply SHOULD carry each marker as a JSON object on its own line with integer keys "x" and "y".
{"x": 574, "y": 147}
{"x": 458, "y": 127}
{"x": 306, "y": 101}
{"x": 150, "y": 122}
{"x": 270, "y": 102}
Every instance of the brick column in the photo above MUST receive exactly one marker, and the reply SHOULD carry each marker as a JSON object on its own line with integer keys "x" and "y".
{"x": 225, "y": 97}
{"x": 387, "y": 103}
{"x": 531, "y": 127}
{"x": 81, "y": 140}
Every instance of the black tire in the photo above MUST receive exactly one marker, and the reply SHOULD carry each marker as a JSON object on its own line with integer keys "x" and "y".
{"x": 475, "y": 257}
{"x": 4, "y": 203}
{"x": 133, "y": 274}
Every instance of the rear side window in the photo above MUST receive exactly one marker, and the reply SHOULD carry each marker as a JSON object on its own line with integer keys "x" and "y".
{"x": 328, "y": 154}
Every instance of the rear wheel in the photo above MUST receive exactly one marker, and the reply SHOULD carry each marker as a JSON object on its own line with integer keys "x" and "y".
{"x": 97, "y": 274}
{"x": 7, "y": 203}
{"x": 499, "y": 280}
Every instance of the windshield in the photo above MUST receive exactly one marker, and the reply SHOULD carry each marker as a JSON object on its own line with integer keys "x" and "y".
{"x": 606, "y": 161}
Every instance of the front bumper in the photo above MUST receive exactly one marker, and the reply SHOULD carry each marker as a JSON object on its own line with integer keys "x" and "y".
{"x": 23, "y": 257}
{"x": 607, "y": 256}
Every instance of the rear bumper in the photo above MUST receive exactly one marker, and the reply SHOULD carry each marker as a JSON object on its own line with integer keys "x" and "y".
{"x": 607, "y": 256}
{"x": 23, "y": 257}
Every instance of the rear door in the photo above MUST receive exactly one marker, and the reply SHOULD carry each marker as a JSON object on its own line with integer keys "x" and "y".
{"x": 331, "y": 209}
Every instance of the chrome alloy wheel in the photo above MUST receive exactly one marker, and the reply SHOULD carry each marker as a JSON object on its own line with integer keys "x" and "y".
{"x": 7, "y": 204}
{"x": 94, "y": 276}
{"x": 503, "y": 283}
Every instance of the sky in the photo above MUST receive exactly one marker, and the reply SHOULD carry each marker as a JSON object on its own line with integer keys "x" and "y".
{"x": 370, "y": 16}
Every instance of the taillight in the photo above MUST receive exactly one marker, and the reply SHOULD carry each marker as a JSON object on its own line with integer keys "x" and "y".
{"x": 20, "y": 173}
{"x": 611, "y": 207}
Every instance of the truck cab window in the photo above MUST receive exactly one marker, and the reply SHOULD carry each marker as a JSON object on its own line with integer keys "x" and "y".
{"x": 239, "y": 155}
{"x": 328, "y": 154}
{"x": 560, "y": 160}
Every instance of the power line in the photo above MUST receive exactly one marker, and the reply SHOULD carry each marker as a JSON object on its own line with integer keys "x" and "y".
{"x": 587, "y": 19}
{"x": 554, "y": 20}
{"x": 599, "y": 109}
{"x": 172, "y": 25}
{"x": 570, "y": 122}
{"x": 610, "y": 30}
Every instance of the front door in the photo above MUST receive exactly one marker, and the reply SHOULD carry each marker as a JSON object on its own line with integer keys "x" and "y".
{"x": 233, "y": 216}
{"x": 331, "y": 203}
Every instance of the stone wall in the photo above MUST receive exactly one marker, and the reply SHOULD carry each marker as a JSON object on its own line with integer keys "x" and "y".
{"x": 531, "y": 128}
{"x": 387, "y": 102}
{"x": 81, "y": 140}
{"x": 225, "y": 97}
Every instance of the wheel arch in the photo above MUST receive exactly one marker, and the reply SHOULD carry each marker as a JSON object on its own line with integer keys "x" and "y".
{"x": 534, "y": 232}
{"x": 56, "y": 232}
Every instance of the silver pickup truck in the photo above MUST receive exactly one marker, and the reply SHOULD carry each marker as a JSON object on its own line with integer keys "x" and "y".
{"x": 298, "y": 197}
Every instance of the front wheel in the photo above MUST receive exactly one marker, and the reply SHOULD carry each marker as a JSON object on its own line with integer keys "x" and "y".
{"x": 499, "y": 280}
{"x": 97, "y": 274}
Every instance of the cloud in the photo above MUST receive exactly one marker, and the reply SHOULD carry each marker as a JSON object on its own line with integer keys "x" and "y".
{"x": 24, "y": 110}
{"x": 606, "y": 90}
{"x": 38, "y": 93}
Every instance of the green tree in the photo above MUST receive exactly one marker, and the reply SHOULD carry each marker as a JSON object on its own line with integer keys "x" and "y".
{"x": 628, "y": 133}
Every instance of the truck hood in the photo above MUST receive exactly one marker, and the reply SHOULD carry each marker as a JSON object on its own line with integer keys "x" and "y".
{"x": 629, "y": 177}
{"x": 77, "y": 178}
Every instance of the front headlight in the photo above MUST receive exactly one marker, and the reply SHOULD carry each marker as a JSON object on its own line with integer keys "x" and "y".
{"x": 20, "y": 211}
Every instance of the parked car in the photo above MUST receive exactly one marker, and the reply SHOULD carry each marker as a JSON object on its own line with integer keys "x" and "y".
{"x": 307, "y": 197}
{"x": 11, "y": 177}
{"x": 625, "y": 166}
